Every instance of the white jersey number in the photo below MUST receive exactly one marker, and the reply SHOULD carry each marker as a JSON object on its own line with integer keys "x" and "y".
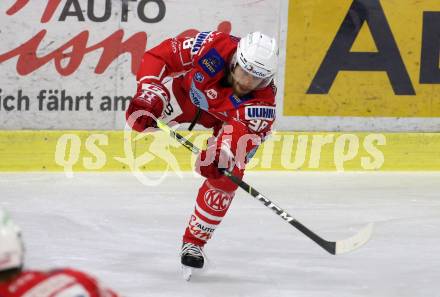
{"x": 188, "y": 43}
{"x": 257, "y": 125}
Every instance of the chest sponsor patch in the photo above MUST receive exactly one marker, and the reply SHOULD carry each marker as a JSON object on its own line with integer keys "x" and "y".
{"x": 211, "y": 93}
{"x": 212, "y": 63}
{"x": 259, "y": 113}
{"x": 198, "y": 98}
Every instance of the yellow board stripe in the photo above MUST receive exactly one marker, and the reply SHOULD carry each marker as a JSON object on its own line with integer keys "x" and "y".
{"x": 94, "y": 151}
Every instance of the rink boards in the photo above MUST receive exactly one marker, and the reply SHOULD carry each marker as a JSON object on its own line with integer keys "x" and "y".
{"x": 95, "y": 151}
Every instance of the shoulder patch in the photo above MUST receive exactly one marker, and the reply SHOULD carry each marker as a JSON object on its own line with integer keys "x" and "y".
{"x": 212, "y": 63}
{"x": 199, "y": 41}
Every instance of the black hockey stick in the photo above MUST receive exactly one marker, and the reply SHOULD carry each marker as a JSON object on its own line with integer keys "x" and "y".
{"x": 333, "y": 247}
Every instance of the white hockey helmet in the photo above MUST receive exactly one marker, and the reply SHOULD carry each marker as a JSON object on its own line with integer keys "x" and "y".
{"x": 11, "y": 244}
{"x": 257, "y": 54}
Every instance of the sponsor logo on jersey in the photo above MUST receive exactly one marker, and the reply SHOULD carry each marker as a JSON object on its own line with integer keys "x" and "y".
{"x": 211, "y": 93}
{"x": 197, "y": 97}
{"x": 174, "y": 45}
{"x": 259, "y": 113}
{"x": 217, "y": 200}
{"x": 212, "y": 63}
{"x": 200, "y": 38}
{"x": 199, "y": 77}
{"x": 237, "y": 101}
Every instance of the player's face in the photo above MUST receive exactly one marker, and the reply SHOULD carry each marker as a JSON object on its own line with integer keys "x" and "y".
{"x": 243, "y": 82}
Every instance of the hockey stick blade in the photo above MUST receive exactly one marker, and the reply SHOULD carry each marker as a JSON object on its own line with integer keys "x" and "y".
{"x": 349, "y": 244}
{"x": 342, "y": 246}
{"x": 332, "y": 247}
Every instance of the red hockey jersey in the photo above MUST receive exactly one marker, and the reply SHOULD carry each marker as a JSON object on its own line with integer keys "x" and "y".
{"x": 55, "y": 283}
{"x": 204, "y": 60}
{"x": 200, "y": 67}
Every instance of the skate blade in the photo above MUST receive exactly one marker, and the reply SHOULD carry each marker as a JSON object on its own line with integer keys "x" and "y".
{"x": 188, "y": 272}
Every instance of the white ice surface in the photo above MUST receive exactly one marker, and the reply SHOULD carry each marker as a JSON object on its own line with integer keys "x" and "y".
{"x": 129, "y": 234}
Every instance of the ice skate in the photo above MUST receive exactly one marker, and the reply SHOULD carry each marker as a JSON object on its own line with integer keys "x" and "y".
{"x": 192, "y": 259}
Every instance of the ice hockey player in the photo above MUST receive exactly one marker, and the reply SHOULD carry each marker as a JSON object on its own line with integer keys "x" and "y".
{"x": 17, "y": 282}
{"x": 221, "y": 82}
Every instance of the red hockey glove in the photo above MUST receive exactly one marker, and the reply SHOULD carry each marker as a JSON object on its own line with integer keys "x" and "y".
{"x": 211, "y": 162}
{"x": 207, "y": 165}
{"x": 146, "y": 107}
